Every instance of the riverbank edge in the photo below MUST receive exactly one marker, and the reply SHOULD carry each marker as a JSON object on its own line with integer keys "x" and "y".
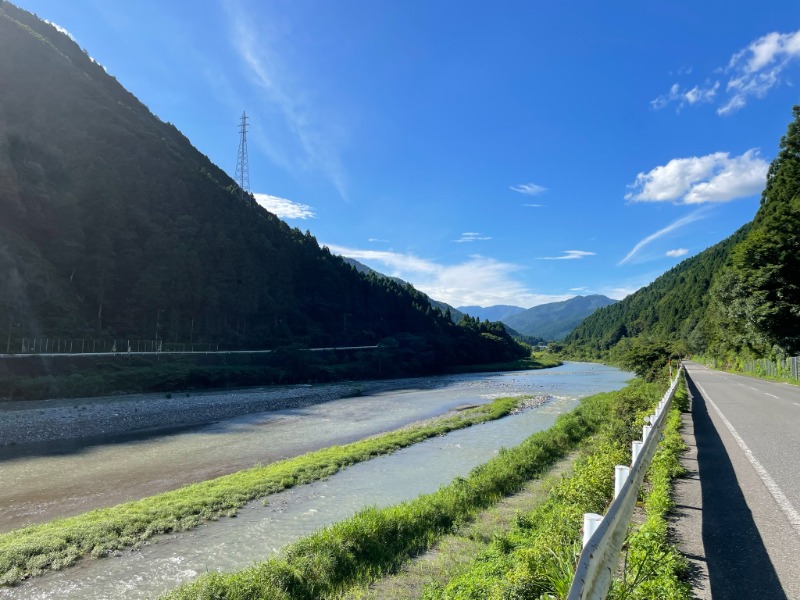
{"x": 375, "y": 542}
{"x": 30, "y": 422}
{"x": 119, "y": 374}
{"x": 29, "y": 551}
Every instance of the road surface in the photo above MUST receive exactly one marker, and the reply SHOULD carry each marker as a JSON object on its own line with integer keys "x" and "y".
{"x": 747, "y": 533}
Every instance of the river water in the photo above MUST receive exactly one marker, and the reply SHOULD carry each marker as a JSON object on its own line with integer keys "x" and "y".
{"x": 259, "y": 530}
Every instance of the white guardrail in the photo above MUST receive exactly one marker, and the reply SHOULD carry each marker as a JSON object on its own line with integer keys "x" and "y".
{"x": 603, "y": 537}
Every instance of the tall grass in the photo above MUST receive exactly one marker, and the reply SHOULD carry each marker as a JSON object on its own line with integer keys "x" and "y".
{"x": 653, "y": 567}
{"x": 537, "y": 558}
{"x": 375, "y": 541}
{"x": 30, "y": 550}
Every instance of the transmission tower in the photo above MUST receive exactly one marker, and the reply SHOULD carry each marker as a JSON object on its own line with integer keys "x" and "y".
{"x": 242, "y": 175}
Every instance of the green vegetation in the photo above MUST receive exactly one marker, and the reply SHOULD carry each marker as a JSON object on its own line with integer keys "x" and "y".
{"x": 33, "y": 378}
{"x": 113, "y": 226}
{"x": 54, "y": 545}
{"x": 653, "y": 567}
{"x": 375, "y": 541}
{"x": 738, "y": 300}
{"x": 538, "y": 556}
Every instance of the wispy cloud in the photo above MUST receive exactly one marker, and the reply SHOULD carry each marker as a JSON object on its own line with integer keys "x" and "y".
{"x": 675, "y": 225}
{"x": 533, "y": 205}
{"x": 569, "y": 255}
{"x": 750, "y": 73}
{"x": 283, "y": 208}
{"x": 578, "y": 289}
{"x": 314, "y": 140}
{"x": 377, "y": 240}
{"x": 696, "y": 95}
{"x": 715, "y": 177}
{"x": 472, "y": 236}
{"x": 677, "y": 252}
{"x": 479, "y": 281}
{"x": 529, "y": 189}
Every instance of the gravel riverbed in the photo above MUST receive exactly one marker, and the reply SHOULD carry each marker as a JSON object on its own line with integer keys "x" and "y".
{"x": 40, "y": 421}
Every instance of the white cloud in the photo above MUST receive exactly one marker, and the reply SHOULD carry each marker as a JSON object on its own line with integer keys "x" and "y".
{"x": 690, "y": 218}
{"x": 479, "y": 281}
{"x": 578, "y": 289}
{"x": 751, "y": 73}
{"x": 283, "y": 208}
{"x": 695, "y": 95}
{"x": 534, "y": 205}
{"x": 569, "y": 255}
{"x": 715, "y": 177}
{"x": 376, "y": 240}
{"x": 314, "y": 137}
{"x": 677, "y": 252}
{"x": 472, "y": 236}
{"x": 529, "y": 189}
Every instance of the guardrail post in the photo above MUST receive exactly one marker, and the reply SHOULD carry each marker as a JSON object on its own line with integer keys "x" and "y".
{"x": 636, "y": 448}
{"x": 621, "y": 474}
{"x": 646, "y": 431}
{"x": 591, "y": 521}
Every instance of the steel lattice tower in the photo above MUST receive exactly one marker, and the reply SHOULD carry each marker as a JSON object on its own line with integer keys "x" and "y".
{"x": 242, "y": 175}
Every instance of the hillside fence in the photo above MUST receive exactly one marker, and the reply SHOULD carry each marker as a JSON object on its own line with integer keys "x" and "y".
{"x": 48, "y": 345}
{"x": 788, "y": 367}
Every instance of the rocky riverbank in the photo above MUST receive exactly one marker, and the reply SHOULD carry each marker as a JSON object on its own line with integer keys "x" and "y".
{"x": 32, "y": 422}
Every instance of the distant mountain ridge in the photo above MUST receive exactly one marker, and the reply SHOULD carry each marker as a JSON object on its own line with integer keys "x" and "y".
{"x": 455, "y": 314}
{"x": 555, "y": 320}
{"x": 497, "y": 312}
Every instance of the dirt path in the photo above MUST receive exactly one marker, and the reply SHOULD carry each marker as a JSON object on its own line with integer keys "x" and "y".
{"x": 454, "y": 553}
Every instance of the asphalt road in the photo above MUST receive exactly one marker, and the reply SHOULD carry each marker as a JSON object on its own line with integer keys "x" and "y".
{"x": 747, "y": 435}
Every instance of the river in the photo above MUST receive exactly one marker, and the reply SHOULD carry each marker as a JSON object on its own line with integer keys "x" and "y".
{"x": 95, "y": 475}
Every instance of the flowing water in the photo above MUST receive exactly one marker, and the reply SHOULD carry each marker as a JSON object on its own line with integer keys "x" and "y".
{"x": 261, "y": 530}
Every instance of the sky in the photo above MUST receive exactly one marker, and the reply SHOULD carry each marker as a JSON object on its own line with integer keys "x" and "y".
{"x": 489, "y": 153}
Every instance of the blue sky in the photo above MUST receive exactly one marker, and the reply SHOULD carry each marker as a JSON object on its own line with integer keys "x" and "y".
{"x": 489, "y": 153}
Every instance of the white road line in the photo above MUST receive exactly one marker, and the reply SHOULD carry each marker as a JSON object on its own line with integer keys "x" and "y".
{"x": 783, "y": 502}
{"x": 795, "y": 403}
{"x": 772, "y": 395}
{"x": 754, "y": 389}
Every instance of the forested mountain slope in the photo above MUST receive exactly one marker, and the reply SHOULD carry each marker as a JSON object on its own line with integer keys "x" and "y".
{"x": 739, "y": 298}
{"x": 554, "y": 320}
{"x": 113, "y": 224}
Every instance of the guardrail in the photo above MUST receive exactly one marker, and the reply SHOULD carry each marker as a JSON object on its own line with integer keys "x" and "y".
{"x": 603, "y": 537}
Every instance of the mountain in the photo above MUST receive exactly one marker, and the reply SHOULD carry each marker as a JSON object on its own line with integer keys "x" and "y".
{"x": 553, "y": 321}
{"x": 670, "y": 308}
{"x": 455, "y": 314}
{"x": 498, "y": 312}
{"x": 739, "y": 298}
{"x": 113, "y": 225}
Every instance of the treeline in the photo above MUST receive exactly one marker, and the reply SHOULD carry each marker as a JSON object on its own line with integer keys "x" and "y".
{"x": 113, "y": 225}
{"x": 739, "y": 299}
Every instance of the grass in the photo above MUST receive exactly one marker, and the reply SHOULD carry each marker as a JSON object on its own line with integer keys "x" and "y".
{"x": 540, "y": 360}
{"x": 375, "y": 542}
{"x": 653, "y": 567}
{"x": 537, "y": 557}
{"x": 454, "y": 553}
{"x": 31, "y": 550}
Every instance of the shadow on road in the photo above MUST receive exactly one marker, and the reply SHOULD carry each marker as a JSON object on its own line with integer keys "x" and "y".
{"x": 738, "y": 564}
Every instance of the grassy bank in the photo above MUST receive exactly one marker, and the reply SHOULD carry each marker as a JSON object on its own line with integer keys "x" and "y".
{"x": 653, "y": 567}
{"x": 31, "y": 550}
{"x": 375, "y": 541}
{"x": 35, "y": 377}
{"x": 537, "y": 558}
